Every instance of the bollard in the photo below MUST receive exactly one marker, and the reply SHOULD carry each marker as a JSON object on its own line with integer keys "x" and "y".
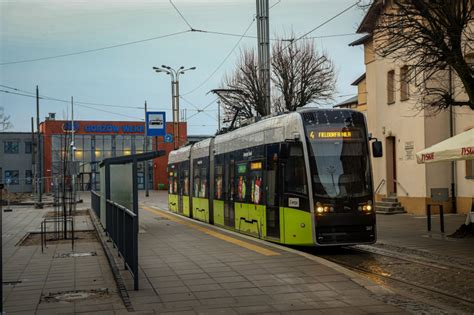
{"x": 428, "y": 216}
{"x": 441, "y": 218}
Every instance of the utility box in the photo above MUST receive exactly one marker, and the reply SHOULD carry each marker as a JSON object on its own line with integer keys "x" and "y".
{"x": 439, "y": 194}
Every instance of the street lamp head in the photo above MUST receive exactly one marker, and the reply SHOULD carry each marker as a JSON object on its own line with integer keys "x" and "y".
{"x": 182, "y": 67}
{"x": 156, "y": 68}
{"x": 192, "y": 68}
{"x": 182, "y": 72}
{"x": 166, "y": 67}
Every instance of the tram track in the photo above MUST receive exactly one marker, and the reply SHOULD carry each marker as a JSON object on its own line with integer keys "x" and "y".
{"x": 440, "y": 283}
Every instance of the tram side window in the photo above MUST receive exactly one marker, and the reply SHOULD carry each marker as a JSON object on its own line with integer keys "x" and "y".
{"x": 241, "y": 182}
{"x": 295, "y": 175}
{"x": 172, "y": 180}
{"x": 186, "y": 182}
{"x": 219, "y": 184}
{"x": 256, "y": 182}
{"x": 175, "y": 181}
{"x": 229, "y": 172}
{"x": 197, "y": 182}
{"x": 203, "y": 192}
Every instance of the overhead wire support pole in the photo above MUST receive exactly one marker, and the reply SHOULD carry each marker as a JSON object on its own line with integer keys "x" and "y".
{"x": 73, "y": 160}
{"x": 147, "y": 193}
{"x": 263, "y": 35}
{"x": 39, "y": 197}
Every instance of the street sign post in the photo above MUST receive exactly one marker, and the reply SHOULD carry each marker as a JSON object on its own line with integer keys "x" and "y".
{"x": 156, "y": 123}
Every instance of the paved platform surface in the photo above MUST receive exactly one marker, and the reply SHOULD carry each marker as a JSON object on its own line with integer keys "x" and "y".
{"x": 41, "y": 274}
{"x": 192, "y": 268}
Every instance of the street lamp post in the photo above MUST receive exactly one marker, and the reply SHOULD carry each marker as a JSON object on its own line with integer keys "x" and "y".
{"x": 174, "y": 73}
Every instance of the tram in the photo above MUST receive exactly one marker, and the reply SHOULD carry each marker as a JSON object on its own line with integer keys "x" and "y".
{"x": 300, "y": 178}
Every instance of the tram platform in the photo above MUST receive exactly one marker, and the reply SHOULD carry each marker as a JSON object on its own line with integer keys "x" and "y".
{"x": 187, "y": 267}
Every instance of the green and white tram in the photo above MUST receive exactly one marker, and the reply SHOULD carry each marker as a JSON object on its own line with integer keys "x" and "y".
{"x": 301, "y": 178}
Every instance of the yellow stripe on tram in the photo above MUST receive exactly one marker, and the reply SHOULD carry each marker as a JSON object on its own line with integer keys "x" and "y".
{"x": 255, "y": 248}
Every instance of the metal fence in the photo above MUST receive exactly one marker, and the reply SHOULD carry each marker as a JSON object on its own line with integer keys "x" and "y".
{"x": 95, "y": 201}
{"x": 122, "y": 229}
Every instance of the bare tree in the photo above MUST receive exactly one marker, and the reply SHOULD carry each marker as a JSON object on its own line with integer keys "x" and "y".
{"x": 5, "y": 123}
{"x": 245, "y": 97}
{"x": 301, "y": 74}
{"x": 433, "y": 38}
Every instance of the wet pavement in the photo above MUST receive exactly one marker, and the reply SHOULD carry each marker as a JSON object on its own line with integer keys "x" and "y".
{"x": 187, "y": 267}
{"x": 54, "y": 281}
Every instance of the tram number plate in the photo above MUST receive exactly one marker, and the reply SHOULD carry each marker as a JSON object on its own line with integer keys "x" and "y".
{"x": 293, "y": 202}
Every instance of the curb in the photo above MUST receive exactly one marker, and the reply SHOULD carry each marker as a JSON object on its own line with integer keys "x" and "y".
{"x": 122, "y": 289}
{"x": 364, "y": 282}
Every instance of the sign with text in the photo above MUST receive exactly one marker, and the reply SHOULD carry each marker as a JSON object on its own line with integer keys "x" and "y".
{"x": 156, "y": 123}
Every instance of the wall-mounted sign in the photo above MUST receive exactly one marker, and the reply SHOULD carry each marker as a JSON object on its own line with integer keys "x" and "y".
{"x": 156, "y": 123}
{"x": 409, "y": 147}
{"x": 67, "y": 126}
{"x": 168, "y": 138}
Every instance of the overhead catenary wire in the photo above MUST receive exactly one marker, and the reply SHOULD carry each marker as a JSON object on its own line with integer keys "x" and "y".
{"x": 67, "y": 102}
{"x": 272, "y": 39}
{"x": 324, "y": 23}
{"x": 223, "y": 61}
{"x": 83, "y": 103}
{"x": 94, "y": 49}
{"x": 203, "y": 110}
{"x": 182, "y": 16}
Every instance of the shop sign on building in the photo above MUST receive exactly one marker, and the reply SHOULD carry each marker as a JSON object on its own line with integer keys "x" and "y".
{"x": 156, "y": 123}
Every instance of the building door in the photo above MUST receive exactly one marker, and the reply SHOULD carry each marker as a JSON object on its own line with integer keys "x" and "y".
{"x": 391, "y": 165}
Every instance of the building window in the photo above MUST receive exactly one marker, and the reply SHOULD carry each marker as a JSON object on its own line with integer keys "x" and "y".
{"x": 404, "y": 87}
{"x": 28, "y": 147}
{"x": 28, "y": 177}
{"x": 391, "y": 87}
{"x": 12, "y": 177}
{"x": 11, "y": 147}
{"x": 470, "y": 169}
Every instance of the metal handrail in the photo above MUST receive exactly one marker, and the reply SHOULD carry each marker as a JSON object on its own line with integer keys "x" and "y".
{"x": 382, "y": 182}
{"x": 398, "y": 183}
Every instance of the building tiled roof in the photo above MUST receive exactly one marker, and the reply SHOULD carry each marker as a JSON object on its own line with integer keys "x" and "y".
{"x": 352, "y": 100}
{"x": 358, "y": 80}
{"x": 361, "y": 40}
{"x": 368, "y": 22}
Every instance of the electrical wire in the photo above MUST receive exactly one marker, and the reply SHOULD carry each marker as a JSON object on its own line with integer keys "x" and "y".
{"x": 324, "y": 23}
{"x": 271, "y": 39}
{"x": 203, "y": 110}
{"x": 93, "y": 50}
{"x": 84, "y": 103}
{"x": 46, "y": 98}
{"x": 223, "y": 61}
{"x": 182, "y": 16}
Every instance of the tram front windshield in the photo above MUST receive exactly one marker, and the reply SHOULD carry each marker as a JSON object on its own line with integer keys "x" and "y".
{"x": 339, "y": 161}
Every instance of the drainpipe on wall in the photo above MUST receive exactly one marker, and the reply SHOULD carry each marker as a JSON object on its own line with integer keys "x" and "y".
{"x": 451, "y": 134}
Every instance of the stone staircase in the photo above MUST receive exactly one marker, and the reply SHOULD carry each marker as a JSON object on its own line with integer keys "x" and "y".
{"x": 389, "y": 205}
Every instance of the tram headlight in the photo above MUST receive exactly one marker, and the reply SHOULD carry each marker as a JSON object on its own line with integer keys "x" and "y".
{"x": 320, "y": 210}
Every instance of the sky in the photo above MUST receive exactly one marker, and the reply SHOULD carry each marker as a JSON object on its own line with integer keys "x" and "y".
{"x": 123, "y": 76}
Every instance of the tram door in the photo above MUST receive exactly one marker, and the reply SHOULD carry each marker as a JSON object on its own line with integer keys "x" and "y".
{"x": 180, "y": 191}
{"x": 229, "y": 211}
{"x": 272, "y": 179}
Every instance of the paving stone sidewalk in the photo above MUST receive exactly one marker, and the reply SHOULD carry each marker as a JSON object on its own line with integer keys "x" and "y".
{"x": 29, "y": 275}
{"x": 184, "y": 270}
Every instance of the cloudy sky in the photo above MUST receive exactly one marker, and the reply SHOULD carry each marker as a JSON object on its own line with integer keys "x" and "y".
{"x": 123, "y": 76}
